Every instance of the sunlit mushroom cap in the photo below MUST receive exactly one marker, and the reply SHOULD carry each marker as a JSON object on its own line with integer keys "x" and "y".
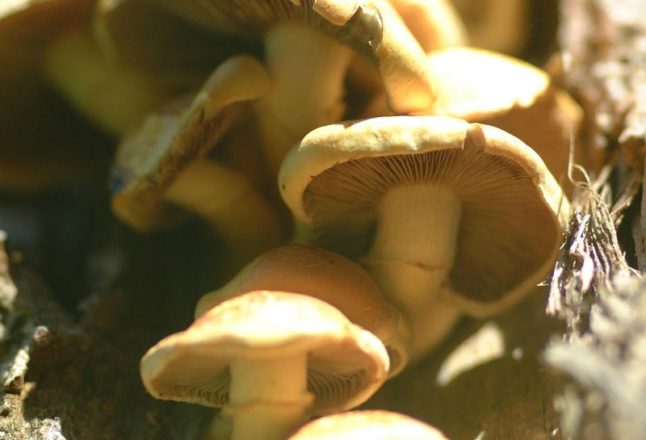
{"x": 372, "y": 28}
{"x": 514, "y": 96}
{"x": 329, "y": 277}
{"x": 149, "y": 159}
{"x": 345, "y": 363}
{"x": 509, "y": 230}
{"x": 369, "y": 424}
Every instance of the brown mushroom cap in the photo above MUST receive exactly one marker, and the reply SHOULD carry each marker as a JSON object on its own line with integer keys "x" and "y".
{"x": 329, "y": 277}
{"x": 345, "y": 364}
{"x": 368, "y": 424}
{"x": 149, "y": 159}
{"x": 509, "y": 230}
{"x": 371, "y": 28}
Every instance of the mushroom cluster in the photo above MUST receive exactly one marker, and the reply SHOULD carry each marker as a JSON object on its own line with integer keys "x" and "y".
{"x": 369, "y": 178}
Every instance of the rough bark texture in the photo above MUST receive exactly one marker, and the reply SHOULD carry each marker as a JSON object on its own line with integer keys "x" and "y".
{"x": 594, "y": 289}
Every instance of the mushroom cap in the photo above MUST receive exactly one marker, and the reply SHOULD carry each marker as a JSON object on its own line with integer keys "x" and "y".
{"x": 372, "y": 28}
{"x": 346, "y": 364}
{"x": 510, "y": 228}
{"x": 499, "y": 83}
{"x": 514, "y": 95}
{"x": 372, "y": 424}
{"x": 149, "y": 159}
{"x": 329, "y": 277}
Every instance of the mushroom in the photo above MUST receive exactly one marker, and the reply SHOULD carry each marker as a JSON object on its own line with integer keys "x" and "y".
{"x": 307, "y": 59}
{"x": 269, "y": 359}
{"x": 497, "y": 25}
{"x": 326, "y": 276}
{"x": 157, "y": 169}
{"x": 114, "y": 96}
{"x": 435, "y": 24}
{"x": 514, "y": 95}
{"x": 448, "y": 216}
{"x": 43, "y": 145}
{"x": 368, "y": 424}
{"x": 144, "y": 35}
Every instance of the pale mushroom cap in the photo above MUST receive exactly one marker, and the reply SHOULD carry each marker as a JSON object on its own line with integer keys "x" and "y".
{"x": 369, "y": 424}
{"x": 149, "y": 159}
{"x": 473, "y": 83}
{"x": 514, "y": 95}
{"x": 510, "y": 229}
{"x": 326, "y": 276}
{"x": 346, "y": 364}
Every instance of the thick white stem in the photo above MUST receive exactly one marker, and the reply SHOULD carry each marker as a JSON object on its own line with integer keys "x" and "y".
{"x": 307, "y": 70}
{"x": 268, "y": 398}
{"x": 412, "y": 254}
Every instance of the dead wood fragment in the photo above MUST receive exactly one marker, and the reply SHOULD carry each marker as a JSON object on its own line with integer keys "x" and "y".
{"x": 594, "y": 290}
{"x": 603, "y": 302}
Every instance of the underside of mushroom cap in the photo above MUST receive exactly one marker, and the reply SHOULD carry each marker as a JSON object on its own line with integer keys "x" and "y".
{"x": 509, "y": 230}
{"x": 345, "y": 363}
{"x": 329, "y": 277}
{"x": 372, "y": 28}
{"x": 514, "y": 95}
{"x": 150, "y": 158}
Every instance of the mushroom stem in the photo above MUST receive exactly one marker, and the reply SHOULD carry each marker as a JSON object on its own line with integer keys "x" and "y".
{"x": 307, "y": 69}
{"x": 268, "y": 397}
{"x": 414, "y": 275}
{"x": 240, "y": 216}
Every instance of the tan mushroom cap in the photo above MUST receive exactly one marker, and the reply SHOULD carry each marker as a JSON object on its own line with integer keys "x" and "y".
{"x": 367, "y": 424}
{"x": 329, "y": 277}
{"x": 509, "y": 230}
{"x": 514, "y": 96}
{"x": 345, "y": 364}
{"x": 372, "y": 28}
{"x": 149, "y": 159}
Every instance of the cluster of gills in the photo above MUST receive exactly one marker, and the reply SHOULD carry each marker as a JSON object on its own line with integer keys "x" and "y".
{"x": 369, "y": 176}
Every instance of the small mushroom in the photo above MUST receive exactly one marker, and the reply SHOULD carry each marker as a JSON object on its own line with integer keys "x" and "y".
{"x": 367, "y": 424}
{"x": 448, "y": 216}
{"x": 306, "y": 54}
{"x": 157, "y": 168}
{"x": 329, "y": 277}
{"x": 269, "y": 359}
